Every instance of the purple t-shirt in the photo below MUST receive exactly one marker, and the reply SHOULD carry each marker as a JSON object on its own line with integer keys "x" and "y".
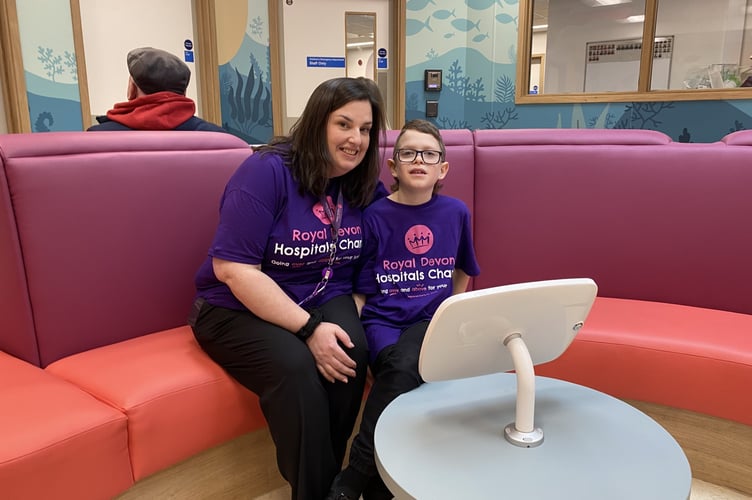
{"x": 265, "y": 220}
{"x": 409, "y": 256}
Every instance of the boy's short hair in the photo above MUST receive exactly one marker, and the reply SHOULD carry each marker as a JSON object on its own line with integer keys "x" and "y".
{"x": 155, "y": 70}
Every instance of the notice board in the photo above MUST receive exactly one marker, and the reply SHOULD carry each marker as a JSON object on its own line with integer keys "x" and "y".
{"x": 614, "y": 65}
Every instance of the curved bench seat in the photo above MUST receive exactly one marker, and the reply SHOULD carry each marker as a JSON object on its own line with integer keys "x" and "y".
{"x": 686, "y": 357}
{"x": 690, "y": 368}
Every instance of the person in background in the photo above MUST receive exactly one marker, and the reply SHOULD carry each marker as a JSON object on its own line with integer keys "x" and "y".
{"x": 274, "y": 304}
{"x": 418, "y": 250}
{"x": 156, "y": 96}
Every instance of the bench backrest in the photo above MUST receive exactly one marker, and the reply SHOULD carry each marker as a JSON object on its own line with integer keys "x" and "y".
{"x": 644, "y": 217}
{"x": 101, "y": 234}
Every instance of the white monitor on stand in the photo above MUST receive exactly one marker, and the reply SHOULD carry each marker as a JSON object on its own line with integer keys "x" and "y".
{"x": 511, "y": 327}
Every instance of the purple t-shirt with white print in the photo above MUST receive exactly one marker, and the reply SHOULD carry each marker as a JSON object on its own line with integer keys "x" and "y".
{"x": 409, "y": 256}
{"x": 265, "y": 220}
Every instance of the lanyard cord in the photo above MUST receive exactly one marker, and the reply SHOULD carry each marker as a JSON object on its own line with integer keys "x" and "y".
{"x": 335, "y": 220}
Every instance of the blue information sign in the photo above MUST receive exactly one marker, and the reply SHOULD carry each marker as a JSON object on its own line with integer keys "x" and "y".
{"x": 325, "y": 62}
{"x": 188, "y": 55}
{"x": 381, "y": 63}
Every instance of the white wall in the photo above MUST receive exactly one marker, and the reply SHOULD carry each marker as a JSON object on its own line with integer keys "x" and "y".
{"x": 300, "y": 21}
{"x": 363, "y": 55}
{"x": 112, "y": 29}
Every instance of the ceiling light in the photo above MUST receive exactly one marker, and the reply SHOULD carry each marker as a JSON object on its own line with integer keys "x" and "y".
{"x": 359, "y": 44}
{"x": 635, "y": 19}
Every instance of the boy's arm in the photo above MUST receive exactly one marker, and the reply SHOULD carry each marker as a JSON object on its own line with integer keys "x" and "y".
{"x": 460, "y": 280}
{"x": 360, "y": 301}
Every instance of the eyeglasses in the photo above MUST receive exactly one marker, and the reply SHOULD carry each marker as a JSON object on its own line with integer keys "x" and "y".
{"x": 428, "y": 156}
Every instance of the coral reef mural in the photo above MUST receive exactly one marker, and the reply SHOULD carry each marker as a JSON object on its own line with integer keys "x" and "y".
{"x": 245, "y": 83}
{"x": 50, "y": 69}
{"x": 474, "y": 43}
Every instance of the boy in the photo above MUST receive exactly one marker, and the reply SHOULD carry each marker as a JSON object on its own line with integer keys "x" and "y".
{"x": 417, "y": 252}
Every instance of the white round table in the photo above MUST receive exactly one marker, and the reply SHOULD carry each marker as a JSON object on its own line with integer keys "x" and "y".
{"x": 444, "y": 440}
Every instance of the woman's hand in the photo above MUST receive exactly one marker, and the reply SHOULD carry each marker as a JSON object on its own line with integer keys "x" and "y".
{"x": 331, "y": 360}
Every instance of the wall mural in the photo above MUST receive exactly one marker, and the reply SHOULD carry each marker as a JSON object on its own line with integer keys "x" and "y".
{"x": 245, "y": 83}
{"x": 474, "y": 43}
{"x": 49, "y": 62}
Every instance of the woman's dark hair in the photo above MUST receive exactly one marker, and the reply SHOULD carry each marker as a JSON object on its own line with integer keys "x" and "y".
{"x": 424, "y": 127}
{"x": 306, "y": 152}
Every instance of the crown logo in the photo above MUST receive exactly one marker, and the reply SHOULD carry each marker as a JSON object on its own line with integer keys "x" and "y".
{"x": 419, "y": 241}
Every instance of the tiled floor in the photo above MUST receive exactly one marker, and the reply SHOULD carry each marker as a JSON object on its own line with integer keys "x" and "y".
{"x": 700, "y": 491}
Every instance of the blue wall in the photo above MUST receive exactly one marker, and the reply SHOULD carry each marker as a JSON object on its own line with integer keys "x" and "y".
{"x": 474, "y": 43}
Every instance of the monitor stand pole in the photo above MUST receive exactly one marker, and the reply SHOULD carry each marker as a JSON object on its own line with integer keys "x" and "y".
{"x": 522, "y": 432}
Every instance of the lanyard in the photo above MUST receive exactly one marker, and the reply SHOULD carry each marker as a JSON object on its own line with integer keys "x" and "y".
{"x": 335, "y": 221}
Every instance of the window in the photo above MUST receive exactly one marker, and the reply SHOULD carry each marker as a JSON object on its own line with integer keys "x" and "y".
{"x": 634, "y": 50}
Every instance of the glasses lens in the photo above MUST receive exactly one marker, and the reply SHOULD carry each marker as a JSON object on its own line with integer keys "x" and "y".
{"x": 431, "y": 157}
{"x": 406, "y": 155}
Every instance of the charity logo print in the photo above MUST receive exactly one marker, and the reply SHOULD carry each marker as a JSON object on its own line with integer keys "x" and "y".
{"x": 419, "y": 239}
{"x": 318, "y": 210}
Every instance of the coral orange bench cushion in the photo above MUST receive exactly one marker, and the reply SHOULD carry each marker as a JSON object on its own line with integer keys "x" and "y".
{"x": 57, "y": 440}
{"x": 687, "y": 357}
{"x": 178, "y": 402}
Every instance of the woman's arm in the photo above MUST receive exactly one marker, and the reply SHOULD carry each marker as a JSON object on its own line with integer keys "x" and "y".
{"x": 262, "y": 296}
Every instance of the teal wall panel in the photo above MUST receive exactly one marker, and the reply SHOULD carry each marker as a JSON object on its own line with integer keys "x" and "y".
{"x": 474, "y": 42}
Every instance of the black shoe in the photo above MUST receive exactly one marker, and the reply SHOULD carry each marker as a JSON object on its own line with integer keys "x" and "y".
{"x": 338, "y": 496}
{"x": 377, "y": 490}
{"x": 341, "y": 489}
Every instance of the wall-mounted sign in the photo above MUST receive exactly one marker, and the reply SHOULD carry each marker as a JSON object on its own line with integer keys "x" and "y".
{"x": 325, "y": 62}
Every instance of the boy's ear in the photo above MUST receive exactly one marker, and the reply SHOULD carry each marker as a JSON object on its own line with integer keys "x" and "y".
{"x": 443, "y": 169}
{"x": 392, "y": 167}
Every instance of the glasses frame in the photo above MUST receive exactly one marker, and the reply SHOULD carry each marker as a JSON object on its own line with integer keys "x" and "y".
{"x": 417, "y": 152}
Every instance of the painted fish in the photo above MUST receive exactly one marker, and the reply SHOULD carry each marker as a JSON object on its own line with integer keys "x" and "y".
{"x": 413, "y": 26}
{"x": 444, "y": 14}
{"x": 418, "y": 4}
{"x": 465, "y": 24}
{"x": 482, "y": 4}
{"x": 504, "y": 18}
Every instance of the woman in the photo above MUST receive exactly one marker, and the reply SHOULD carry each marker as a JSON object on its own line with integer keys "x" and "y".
{"x": 274, "y": 305}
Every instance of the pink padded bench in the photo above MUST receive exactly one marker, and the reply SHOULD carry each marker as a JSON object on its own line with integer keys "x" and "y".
{"x": 102, "y": 383}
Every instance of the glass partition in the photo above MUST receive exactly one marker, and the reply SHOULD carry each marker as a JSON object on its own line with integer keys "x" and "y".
{"x": 634, "y": 50}
{"x": 360, "y": 44}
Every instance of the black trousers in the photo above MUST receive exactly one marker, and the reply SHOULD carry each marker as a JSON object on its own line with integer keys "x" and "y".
{"x": 310, "y": 419}
{"x": 395, "y": 372}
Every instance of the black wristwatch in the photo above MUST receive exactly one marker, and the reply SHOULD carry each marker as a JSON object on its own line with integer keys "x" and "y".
{"x": 307, "y": 329}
